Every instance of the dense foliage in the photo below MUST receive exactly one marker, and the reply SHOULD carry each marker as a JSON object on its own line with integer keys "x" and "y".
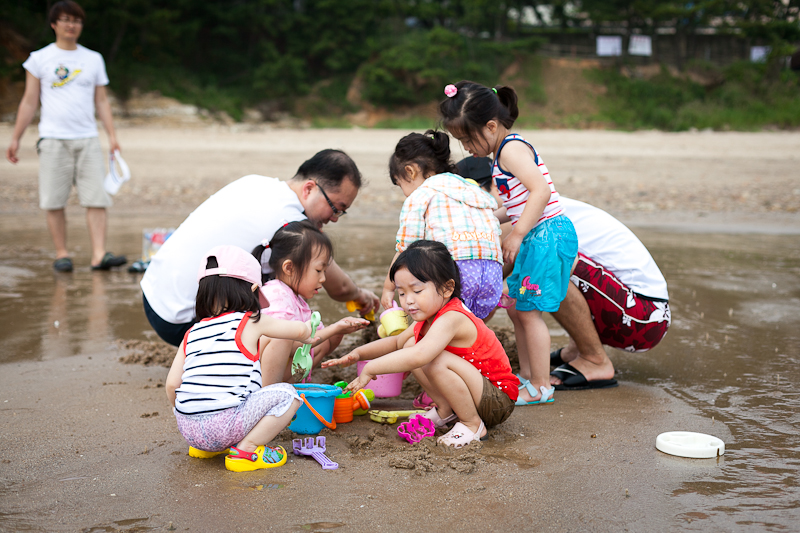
{"x": 231, "y": 54}
{"x": 743, "y": 96}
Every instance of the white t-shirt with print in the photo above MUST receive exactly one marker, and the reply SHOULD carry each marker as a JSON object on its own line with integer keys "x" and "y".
{"x": 67, "y": 82}
{"x": 608, "y": 241}
{"x": 242, "y": 213}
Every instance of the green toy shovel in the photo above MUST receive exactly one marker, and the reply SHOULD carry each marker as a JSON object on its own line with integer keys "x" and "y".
{"x": 302, "y": 360}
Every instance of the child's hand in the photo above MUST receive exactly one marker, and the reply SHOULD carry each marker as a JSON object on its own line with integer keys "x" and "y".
{"x": 360, "y": 382}
{"x": 309, "y": 339}
{"x": 350, "y": 324}
{"x": 387, "y": 298}
{"x": 349, "y": 359}
{"x": 511, "y": 246}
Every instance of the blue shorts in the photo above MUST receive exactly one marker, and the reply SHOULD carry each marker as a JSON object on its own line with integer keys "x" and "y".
{"x": 542, "y": 269}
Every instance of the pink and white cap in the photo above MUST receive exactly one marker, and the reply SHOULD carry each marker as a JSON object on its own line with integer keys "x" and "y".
{"x": 233, "y": 263}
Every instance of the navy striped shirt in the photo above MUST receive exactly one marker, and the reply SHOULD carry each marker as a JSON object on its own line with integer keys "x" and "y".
{"x": 219, "y": 372}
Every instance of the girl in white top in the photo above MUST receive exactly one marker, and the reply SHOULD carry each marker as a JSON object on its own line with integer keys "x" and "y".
{"x": 297, "y": 257}
{"x": 215, "y": 381}
{"x": 542, "y": 245}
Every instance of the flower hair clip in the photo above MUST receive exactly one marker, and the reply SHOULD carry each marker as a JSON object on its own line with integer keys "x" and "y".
{"x": 450, "y": 90}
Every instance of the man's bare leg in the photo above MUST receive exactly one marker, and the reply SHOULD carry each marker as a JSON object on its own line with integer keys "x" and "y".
{"x": 585, "y": 352}
{"x": 96, "y": 221}
{"x": 57, "y": 224}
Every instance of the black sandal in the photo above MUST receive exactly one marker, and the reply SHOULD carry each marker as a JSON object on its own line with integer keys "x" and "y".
{"x": 555, "y": 358}
{"x": 110, "y": 260}
{"x": 63, "y": 264}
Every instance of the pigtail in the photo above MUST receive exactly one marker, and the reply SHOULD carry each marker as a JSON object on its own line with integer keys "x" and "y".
{"x": 262, "y": 253}
{"x": 508, "y": 99}
{"x": 430, "y": 151}
{"x": 440, "y": 146}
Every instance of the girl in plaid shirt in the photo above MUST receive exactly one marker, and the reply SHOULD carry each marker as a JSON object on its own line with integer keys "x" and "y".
{"x": 442, "y": 206}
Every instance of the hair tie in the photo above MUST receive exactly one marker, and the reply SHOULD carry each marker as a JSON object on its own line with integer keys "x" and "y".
{"x": 265, "y": 255}
{"x": 450, "y": 90}
{"x": 495, "y": 90}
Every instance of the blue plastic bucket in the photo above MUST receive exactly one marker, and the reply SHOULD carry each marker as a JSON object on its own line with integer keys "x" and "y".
{"x": 321, "y": 397}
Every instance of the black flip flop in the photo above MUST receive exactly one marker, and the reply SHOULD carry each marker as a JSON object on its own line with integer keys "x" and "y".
{"x": 572, "y": 379}
{"x": 63, "y": 265}
{"x": 110, "y": 260}
{"x": 555, "y": 358}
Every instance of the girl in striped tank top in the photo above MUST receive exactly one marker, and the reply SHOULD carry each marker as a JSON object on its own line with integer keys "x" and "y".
{"x": 540, "y": 250}
{"x": 215, "y": 381}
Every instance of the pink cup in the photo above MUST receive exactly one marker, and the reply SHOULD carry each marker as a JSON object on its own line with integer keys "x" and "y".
{"x": 385, "y": 385}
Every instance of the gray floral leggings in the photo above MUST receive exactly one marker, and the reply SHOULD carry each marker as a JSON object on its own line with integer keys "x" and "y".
{"x": 218, "y": 431}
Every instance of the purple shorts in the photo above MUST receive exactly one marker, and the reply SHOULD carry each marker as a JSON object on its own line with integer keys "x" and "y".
{"x": 218, "y": 431}
{"x": 481, "y": 285}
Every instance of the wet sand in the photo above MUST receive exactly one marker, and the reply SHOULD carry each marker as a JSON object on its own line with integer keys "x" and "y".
{"x": 89, "y": 443}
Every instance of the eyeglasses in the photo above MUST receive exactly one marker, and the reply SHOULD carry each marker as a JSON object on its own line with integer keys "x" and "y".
{"x": 76, "y": 22}
{"x": 336, "y": 212}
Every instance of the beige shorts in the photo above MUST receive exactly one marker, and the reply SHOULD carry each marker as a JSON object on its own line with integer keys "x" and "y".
{"x": 67, "y": 162}
{"x": 495, "y": 405}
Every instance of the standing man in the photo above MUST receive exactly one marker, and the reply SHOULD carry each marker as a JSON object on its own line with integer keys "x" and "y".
{"x": 70, "y": 80}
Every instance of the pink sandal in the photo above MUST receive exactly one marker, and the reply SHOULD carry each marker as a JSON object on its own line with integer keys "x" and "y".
{"x": 423, "y": 401}
{"x": 461, "y": 436}
{"x": 434, "y": 417}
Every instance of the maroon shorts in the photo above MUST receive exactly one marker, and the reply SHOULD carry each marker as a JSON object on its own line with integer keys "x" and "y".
{"x": 623, "y": 319}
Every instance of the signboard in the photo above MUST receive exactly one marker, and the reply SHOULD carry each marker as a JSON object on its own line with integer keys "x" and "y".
{"x": 758, "y": 54}
{"x": 640, "y": 45}
{"x": 609, "y": 45}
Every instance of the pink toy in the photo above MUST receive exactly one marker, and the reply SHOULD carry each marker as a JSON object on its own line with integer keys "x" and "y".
{"x": 416, "y": 429}
{"x": 307, "y": 447}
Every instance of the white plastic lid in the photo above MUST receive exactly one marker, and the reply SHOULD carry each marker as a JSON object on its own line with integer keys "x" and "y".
{"x": 690, "y": 444}
{"x": 115, "y": 179}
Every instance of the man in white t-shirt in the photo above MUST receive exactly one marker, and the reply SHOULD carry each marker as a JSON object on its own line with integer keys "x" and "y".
{"x": 618, "y": 297}
{"x": 244, "y": 213}
{"x": 70, "y": 81}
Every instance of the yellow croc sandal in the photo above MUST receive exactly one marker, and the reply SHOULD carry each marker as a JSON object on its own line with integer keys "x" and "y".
{"x": 264, "y": 457}
{"x": 202, "y": 454}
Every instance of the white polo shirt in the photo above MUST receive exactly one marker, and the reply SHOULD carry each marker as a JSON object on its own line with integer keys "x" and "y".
{"x": 242, "y": 213}
{"x": 67, "y": 82}
{"x": 608, "y": 241}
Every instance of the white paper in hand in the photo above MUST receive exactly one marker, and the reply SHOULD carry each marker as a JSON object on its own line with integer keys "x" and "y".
{"x": 115, "y": 178}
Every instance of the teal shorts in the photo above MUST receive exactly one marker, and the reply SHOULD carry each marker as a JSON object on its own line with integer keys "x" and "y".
{"x": 541, "y": 272}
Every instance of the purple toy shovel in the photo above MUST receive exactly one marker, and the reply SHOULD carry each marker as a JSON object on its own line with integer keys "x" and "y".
{"x": 307, "y": 447}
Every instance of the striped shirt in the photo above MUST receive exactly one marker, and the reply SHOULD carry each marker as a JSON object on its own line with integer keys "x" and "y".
{"x": 219, "y": 372}
{"x": 448, "y": 209}
{"x": 515, "y": 194}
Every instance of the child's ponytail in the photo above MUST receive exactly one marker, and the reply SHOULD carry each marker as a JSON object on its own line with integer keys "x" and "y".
{"x": 267, "y": 273}
{"x": 508, "y": 98}
{"x": 429, "y": 151}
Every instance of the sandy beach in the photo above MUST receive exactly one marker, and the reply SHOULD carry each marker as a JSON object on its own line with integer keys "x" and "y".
{"x": 88, "y": 442}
